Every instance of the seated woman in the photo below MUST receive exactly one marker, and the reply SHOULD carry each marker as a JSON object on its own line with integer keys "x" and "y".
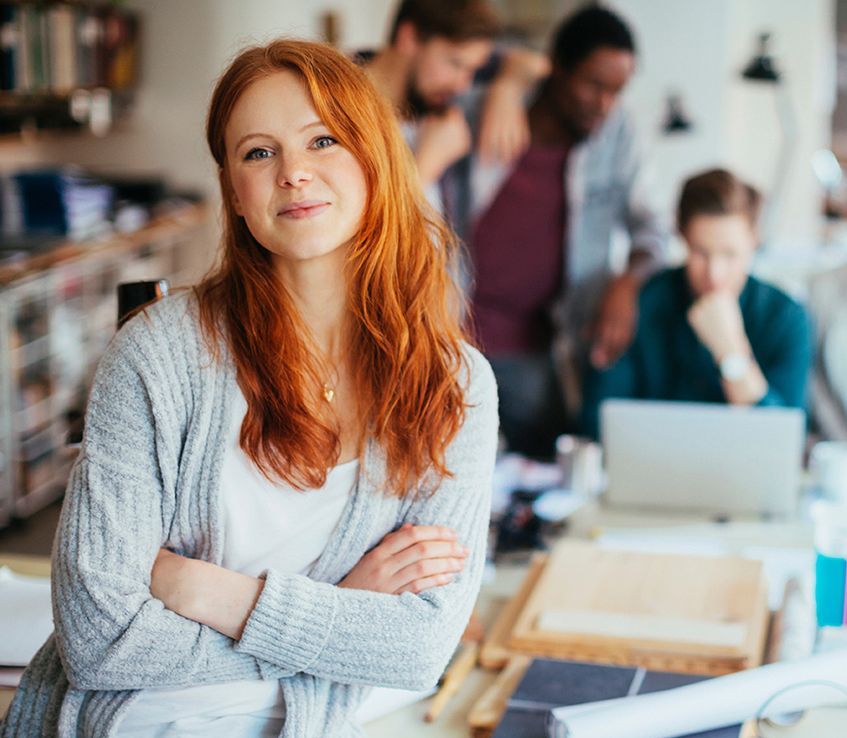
{"x": 282, "y": 496}
{"x": 709, "y": 331}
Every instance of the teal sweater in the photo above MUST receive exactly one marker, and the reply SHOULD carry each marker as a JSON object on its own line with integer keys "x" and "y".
{"x": 668, "y": 362}
{"x": 148, "y": 476}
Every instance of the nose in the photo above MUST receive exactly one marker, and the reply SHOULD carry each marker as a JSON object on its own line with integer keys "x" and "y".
{"x": 293, "y": 171}
{"x": 607, "y": 102}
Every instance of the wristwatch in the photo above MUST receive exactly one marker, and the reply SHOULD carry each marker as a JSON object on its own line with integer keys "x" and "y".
{"x": 734, "y": 367}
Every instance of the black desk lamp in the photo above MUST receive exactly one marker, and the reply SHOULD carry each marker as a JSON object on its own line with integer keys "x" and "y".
{"x": 676, "y": 120}
{"x": 762, "y": 68}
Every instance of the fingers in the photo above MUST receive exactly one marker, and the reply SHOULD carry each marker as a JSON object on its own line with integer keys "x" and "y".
{"x": 421, "y": 585}
{"x": 410, "y": 559}
{"x": 428, "y": 550}
{"x": 504, "y": 141}
{"x": 421, "y": 557}
{"x": 409, "y": 535}
{"x": 608, "y": 344}
{"x": 427, "y": 569}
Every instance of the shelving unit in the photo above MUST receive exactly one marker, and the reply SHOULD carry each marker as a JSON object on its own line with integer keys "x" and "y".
{"x": 65, "y": 64}
{"x": 57, "y": 314}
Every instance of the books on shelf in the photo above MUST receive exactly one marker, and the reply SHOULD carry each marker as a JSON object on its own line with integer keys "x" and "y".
{"x": 56, "y": 48}
{"x": 63, "y": 202}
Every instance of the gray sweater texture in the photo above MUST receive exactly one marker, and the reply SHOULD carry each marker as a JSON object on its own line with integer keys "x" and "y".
{"x": 148, "y": 476}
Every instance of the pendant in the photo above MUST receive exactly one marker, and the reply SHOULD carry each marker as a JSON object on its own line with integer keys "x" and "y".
{"x": 329, "y": 393}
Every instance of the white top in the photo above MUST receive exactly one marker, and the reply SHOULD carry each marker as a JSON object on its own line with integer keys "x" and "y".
{"x": 266, "y": 525}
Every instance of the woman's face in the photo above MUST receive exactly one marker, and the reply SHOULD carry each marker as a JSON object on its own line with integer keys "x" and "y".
{"x": 720, "y": 252}
{"x": 300, "y": 192}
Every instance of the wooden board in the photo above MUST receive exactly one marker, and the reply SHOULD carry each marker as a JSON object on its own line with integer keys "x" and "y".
{"x": 488, "y": 710}
{"x": 495, "y": 651}
{"x": 696, "y": 614}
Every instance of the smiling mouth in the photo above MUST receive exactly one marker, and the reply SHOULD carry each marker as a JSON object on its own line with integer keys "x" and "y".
{"x": 306, "y": 209}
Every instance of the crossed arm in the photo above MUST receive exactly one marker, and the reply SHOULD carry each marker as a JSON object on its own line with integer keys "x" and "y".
{"x": 410, "y": 559}
{"x": 112, "y": 632}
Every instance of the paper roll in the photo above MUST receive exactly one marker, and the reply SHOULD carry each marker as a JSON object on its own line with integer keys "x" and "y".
{"x": 714, "y": 703}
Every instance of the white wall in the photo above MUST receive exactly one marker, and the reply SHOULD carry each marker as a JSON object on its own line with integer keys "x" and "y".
{"x": 803, "y": 42}
{"x": 699, "y": 48}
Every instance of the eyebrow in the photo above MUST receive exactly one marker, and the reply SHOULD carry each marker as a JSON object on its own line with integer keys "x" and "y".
{"x": 313, "y": 124}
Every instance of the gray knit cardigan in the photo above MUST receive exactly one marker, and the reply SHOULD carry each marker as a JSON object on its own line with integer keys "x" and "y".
{"x": 148, "y": 476}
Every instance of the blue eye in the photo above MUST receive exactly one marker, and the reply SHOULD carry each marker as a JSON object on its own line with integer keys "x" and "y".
{"x": 324, "y": 142}
{"x": 256, "y": 154}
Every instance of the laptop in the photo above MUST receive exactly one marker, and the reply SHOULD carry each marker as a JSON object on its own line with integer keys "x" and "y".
{"x": 699, "y": 457}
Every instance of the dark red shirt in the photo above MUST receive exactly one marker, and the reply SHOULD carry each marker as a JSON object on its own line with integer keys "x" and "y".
{"x": 518, "y": 253}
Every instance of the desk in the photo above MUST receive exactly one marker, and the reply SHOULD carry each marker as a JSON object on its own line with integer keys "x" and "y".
{"x": 452, "y": 723}
{"x": 586, "y": 523}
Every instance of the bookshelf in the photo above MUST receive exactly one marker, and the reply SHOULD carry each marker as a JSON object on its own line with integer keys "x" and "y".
{"x": 57, "y": 314}
{"x": 65, "y": 64}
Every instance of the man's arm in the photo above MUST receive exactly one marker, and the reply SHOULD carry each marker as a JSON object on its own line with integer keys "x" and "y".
{"x": 617, "y": 314}
{"x": 504, "y": 127}
{"x": 782, "y": 378}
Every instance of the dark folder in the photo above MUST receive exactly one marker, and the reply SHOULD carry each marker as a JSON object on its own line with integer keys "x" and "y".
{"x": 550, "y": 683}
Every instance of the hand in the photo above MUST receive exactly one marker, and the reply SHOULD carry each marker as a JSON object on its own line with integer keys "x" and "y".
{"x": 614, "y": 326}
{"x": 716, "y": 320}
{"x": 442, "y": 140}
{"x": 411, "y": 559}
{"x": 504, "y": 126}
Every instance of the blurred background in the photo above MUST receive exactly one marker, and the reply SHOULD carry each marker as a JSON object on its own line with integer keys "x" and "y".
{"x": 105, "y": 103}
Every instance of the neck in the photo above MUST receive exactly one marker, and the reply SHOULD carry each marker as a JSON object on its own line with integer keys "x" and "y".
{"x": 545, "y": 123}
{"x": 389, "y": 70}
{"x": 318, "y": 289}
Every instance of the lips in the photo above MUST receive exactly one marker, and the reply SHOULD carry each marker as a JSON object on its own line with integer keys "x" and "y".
{"x": 303, "y": 209}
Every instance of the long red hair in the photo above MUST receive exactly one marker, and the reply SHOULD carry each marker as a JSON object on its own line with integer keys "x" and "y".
{"x": 406, "y": 341}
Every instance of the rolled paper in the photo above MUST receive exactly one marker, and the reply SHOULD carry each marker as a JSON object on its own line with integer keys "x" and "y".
{"x": 714, "y": 703}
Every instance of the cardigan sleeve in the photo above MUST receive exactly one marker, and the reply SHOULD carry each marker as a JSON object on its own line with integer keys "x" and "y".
{"x": 111, "y": 633}
{"x": 404, "y": 641}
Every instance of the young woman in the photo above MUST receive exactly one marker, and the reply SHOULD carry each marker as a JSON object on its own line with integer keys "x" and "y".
{"x": 709, "y": 331}
{"x": 282, "y": 495}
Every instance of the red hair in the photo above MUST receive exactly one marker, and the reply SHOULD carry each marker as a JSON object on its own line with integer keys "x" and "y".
{"x": 406, "y": 340}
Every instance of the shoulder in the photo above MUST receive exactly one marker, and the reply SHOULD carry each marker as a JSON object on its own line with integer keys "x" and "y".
{"x": 666, "y": 288}
{"x": 477, "y": 378}
{"x": 768, "y": 300}
{"x": 163, "y": 337}
{"x": 172, "y": 320}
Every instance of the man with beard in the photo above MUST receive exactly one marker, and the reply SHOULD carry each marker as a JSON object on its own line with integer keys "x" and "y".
{"x": 436, "y": 48}
{"x": 550, "y": 294}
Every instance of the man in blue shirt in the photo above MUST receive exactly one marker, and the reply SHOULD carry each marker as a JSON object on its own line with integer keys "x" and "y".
{"x": 708, "y": 331}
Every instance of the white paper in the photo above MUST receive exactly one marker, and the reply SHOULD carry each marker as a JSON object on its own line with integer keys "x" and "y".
{"x": 10, "y": 676}
{"x": 26, "y": 616}
{"x": 714, "y": 703}
{"x": 383, "y": 700}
